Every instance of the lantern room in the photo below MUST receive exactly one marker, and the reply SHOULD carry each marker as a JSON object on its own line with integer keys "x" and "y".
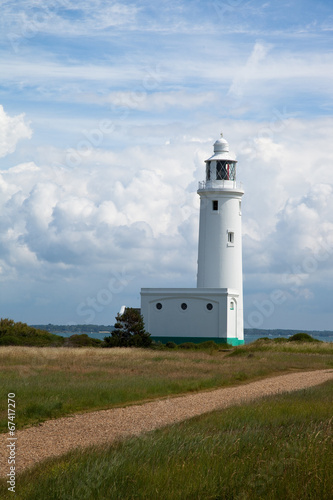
{"x": 222, "y": 165}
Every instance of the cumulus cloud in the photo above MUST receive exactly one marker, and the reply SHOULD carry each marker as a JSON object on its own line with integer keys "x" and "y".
{"x": 286, "y": 169}
{"x": 100, "y": 214}
{"x": 135, "y": 212}
{"x": 305, "y": 229}
{"x": 12, "y": 129}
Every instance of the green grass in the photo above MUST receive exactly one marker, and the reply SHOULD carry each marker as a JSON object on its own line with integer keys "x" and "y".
{"x": 53, "y": 382}
{"x": 276, "y": 448}
{"x": 279, "y": 345}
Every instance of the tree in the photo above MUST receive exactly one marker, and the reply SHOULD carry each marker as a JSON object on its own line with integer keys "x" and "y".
{"x": 129, "y": 331}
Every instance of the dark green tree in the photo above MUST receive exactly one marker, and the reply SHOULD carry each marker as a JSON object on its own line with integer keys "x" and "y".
{"x": 129, "y": 331}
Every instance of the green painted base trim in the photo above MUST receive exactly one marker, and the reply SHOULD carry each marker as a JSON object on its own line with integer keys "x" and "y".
{"x": 197, "y": 340}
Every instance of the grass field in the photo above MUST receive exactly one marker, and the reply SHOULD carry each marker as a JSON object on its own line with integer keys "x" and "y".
{"x": 276, "y": 448}
{"x": 53, "y": 382}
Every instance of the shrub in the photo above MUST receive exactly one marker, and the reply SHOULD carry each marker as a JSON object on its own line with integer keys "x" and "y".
{"x": 302, "y": 337}
{"x": 158, "y": 345}
{"x": 188, "y": 345}
{"x": 9, "y": 340}
{"x": 171, "y": 345}
{"x": 209, "y": 344}
{"x": 82, "y": 340}
{"x": 12, "y": 333}
{"x": 225, "y": 345}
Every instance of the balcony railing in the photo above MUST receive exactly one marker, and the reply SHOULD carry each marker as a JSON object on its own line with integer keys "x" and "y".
{"x": 222, "y": 184}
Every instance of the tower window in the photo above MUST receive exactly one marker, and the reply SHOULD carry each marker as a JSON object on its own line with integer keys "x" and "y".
{"x": 215, "y": 204}
{"x": 208, "y": 171}
{"x": 225, "y": 170}
{"x": 209, "y": 306}
{"x": 184, "y": 306}
{"x": 231, "y": 237}
{"x": 221, "y": 171}
{"x": 159, "y": 306}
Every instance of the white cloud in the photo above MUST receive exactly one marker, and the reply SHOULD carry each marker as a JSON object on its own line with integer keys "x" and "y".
{"x": 64, "y": 17}
{"x": 137, "y": 209}
{"x": 287, "y": 216}
{"x": 97, "y": 214}
{"x": 305, "y": 226}
{"x": 131, "y": 199}
{"x": 251, "y": 69}
{"x": 158, "y": 101}
{"x": 12, "y": 129}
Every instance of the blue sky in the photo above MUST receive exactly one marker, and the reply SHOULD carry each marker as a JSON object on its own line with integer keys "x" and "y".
{"x": 108, "y": 111}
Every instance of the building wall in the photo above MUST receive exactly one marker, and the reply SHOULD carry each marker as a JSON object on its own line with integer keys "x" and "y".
{"x": 219, "y": 260}
{"x": 207, "y": 314}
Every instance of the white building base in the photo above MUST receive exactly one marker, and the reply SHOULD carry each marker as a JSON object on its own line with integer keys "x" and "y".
{"x": 192, "y": 314}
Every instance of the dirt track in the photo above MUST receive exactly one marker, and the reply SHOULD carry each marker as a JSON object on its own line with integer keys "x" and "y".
{"x": 56, "y": 437}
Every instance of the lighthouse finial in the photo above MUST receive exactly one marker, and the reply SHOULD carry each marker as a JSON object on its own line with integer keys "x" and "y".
{"x": 221, "y": 134}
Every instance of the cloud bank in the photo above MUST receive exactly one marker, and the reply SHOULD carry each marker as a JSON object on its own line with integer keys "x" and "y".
{"x": 134, "y": 214}
{"x": 125, "y": 103}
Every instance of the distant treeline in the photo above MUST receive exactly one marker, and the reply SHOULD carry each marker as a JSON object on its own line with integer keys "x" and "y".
{"x": 12, "y": 333}
{"x": 58, "y": 329}
{"x": 284, "y": 333}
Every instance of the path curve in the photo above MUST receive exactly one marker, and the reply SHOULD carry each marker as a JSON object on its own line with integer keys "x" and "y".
{"x": 56, "y": 437}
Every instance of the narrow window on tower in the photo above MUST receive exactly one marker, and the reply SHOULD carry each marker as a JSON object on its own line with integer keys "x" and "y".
{"x": 232, "y": 171}
{"x": 231, "y": 237}
{"x": 208, "y": 171}
{"x": 215, "y": 204}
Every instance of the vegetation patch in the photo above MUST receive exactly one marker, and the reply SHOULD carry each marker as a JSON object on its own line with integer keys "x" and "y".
{"x": 298, "y": 343}
{"x": 302, "y": 337}
{"x": 12, "y": 333}
{"x": 129, "y": 331}
{"x": 278, "y": 447}
{"x": 67, "y": 380}
{"x": 82, "y": 340}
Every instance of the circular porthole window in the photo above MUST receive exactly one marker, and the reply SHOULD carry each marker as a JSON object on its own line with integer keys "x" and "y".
{"x": 184, "y": 306}
{"x": 209, "y": 306}
{"x": 159, "y": 306}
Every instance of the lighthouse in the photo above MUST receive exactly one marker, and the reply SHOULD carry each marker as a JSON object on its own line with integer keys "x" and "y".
{"x": 220, "y": 228}
{"x": 214, "y": 309}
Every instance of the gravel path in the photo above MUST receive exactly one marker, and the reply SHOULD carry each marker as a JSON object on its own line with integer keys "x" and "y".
{"x": 56, "y": 437}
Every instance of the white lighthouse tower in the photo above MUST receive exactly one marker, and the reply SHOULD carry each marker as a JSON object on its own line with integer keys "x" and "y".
{"x": 220, "y": 228}
{"x": 213, "y": 310}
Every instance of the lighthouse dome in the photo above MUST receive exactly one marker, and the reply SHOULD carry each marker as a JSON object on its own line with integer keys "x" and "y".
{"x": 221, "y": 146}
{"x": 221, "y": 151}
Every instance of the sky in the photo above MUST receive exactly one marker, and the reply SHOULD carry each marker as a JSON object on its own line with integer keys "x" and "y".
{"x": 107, "y": 112}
